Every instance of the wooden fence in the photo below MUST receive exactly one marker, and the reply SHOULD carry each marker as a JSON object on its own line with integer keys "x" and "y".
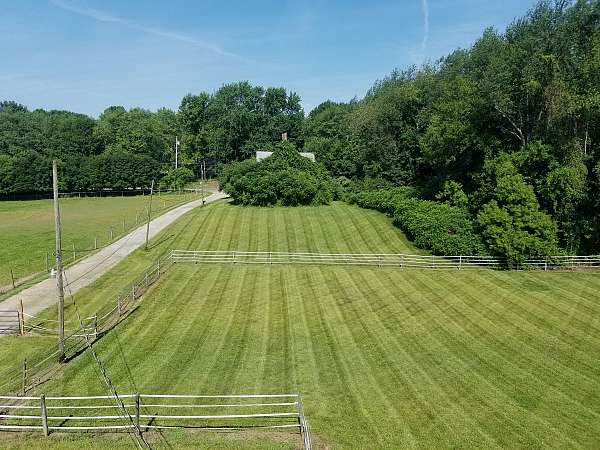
{"x": 10, "y": 322}
{"x": 143, "y": 412}
{"x": 27, "y": 374}
{"x": 382, "y": 260}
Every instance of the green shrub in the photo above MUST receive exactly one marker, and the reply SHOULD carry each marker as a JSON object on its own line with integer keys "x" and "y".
{"x": 441, "y": 228}
{"x": 284, "y": 178}
{"x": 177, "y": 178}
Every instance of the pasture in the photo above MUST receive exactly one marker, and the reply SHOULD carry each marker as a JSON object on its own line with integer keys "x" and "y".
{"x": 27, "y": 228}
{"x": 384, "y": 357}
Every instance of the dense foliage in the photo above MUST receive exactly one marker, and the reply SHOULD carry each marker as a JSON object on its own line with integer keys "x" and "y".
{"x": 525, "y": 101}
{"x": 284, "y": 178}
{"x": 507, "y": 132}
{"x": 439, "y": 227}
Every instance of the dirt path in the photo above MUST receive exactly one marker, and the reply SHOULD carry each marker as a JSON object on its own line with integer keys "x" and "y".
{"x": 43, "y": 294}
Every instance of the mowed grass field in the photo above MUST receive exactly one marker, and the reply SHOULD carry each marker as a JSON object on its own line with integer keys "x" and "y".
{"x": 27, "y": 227}
{"x": 384, "y": 357}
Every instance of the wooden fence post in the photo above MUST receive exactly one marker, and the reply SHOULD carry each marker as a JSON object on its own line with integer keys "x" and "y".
{"x": 74, "y": 253}
{"x": 111, "y": 233}
{"x": 24, "y": 389}
{"x": 43, "y": 414}
{"x": 459, "y": 262}
{"x": 158, "y": 268}
{"x": 137, "y": 411}
{"x": 22, "y": 319}
{"x": 123, "y": 225}
{"x": 95, "y": 326}
{"x": 12, "y": 277}
{"x": 133, "y": 292}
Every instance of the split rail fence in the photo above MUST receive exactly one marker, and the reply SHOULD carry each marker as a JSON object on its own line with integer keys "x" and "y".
{"x": 382, "y": 259}
{"x": 143, "y": 412}
{"x": 35, "y": 370}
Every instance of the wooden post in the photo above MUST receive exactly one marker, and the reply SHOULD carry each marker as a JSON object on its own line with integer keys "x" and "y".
{"x": 158, "y": 268}
{"x": 137, "y": 217}
{"x": 74, "y": 253}
{"x": 149, "y": 214}
{"x": 459, "y": 262}
{"x": 44, "y": 414}
{"x": 24, "y": 388}
{"x": 137, "y": 411}
{"x": 133, "y": 292}
{"x": 22, "y": 319}
{"x": 59, "y": 268}
{"x": 12, "y": 277}
{"x": 123, "y": 225}
{"x": 95, "y": 326}
{"x": 111, "y": 233}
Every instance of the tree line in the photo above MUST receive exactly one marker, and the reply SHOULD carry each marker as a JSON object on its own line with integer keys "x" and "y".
{"x": 506, "y": 133}
{"x": 508, "y": 130}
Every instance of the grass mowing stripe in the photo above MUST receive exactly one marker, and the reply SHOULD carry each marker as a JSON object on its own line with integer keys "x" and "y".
{"x": 419, "y": 380}
{"x": 542, "y": 303}
{"x": 181, "y": 341}
{"x": 330, "y": 365}
{"x": 199, "y": 374}
{"x": 549, "y": 373}
{"x": 454, "y": 366}
{"x": 376, "y": 346}
{"x": 365, "y": 245}
{"x": 422, "y": 307}
{"x": 471, "y": 346}
{"x": 345, "y": 340}
{"x": 234, "y": 344}
{"x": 217, "y": 342}
{"x": 534, "y": 330}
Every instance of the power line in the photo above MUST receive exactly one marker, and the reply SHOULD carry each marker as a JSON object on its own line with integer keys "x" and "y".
{"x": 138, "y": 437}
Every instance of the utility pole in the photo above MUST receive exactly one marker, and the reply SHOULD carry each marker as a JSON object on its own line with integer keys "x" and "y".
{"x": 176, "y": 151}
{"x": 202, "y": 178}
{"x": 59, "y": 267}
{"x": 149, "y": 214}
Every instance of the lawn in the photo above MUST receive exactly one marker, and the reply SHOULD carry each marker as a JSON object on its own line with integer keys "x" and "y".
{"x": 27, "y": 228}
{"x": 384, "y": 357}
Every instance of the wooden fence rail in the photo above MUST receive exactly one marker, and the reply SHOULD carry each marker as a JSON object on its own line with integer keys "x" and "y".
{"x": 144, "y": 412}
{"x": 382, "y": 260}
{"x": 41, "y": 366}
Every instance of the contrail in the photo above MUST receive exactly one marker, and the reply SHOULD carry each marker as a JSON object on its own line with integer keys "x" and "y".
{"x": 101, "y": 16}
{"x": 425, "y": 8}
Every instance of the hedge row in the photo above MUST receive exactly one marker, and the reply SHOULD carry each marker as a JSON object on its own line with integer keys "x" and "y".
{"x": 438, "y": 227}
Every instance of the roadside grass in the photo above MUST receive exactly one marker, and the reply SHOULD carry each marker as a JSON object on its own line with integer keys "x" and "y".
{"x": 384, "y": 357}
{"x": 27, "y": 228}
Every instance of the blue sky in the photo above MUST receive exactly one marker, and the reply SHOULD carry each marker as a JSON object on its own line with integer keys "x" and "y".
{"x": 85, "y": 55}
